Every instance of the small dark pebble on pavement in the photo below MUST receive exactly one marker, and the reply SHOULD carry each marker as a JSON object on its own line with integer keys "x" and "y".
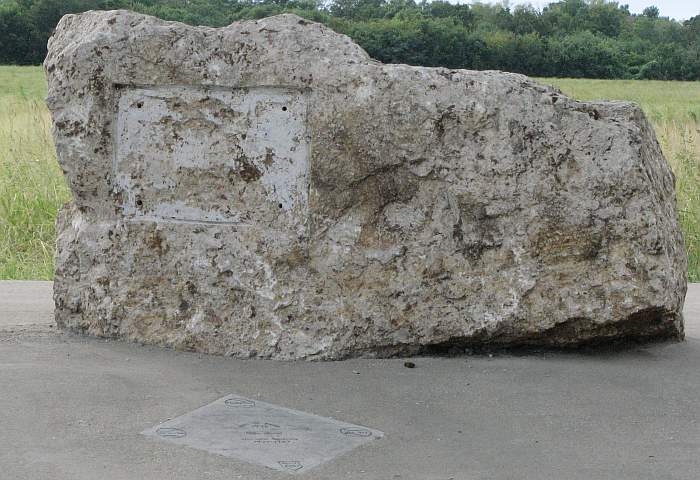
{"x": 409, "y": 364}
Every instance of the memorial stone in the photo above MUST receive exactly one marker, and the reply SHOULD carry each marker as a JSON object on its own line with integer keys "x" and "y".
{"x": 268, "y": 190}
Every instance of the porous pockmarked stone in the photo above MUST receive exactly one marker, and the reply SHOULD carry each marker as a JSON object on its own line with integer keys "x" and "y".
{"x": 266, "y": 189}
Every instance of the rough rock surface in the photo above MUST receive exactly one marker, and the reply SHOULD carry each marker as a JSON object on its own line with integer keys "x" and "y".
{"x": 266, "y": 189}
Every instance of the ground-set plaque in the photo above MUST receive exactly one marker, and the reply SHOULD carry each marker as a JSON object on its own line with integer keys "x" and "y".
{"x": 264, "y": 434}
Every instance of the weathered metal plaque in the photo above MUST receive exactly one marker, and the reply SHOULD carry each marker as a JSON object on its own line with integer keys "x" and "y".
{"x": 196, "y": 154}
{"x": 265, "y": 434}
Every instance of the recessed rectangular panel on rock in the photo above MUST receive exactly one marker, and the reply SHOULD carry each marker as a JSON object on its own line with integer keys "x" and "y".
{"x": 199, "y": 154}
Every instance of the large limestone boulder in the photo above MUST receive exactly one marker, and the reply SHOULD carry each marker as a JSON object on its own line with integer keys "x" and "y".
{"x": 266, "y": 189}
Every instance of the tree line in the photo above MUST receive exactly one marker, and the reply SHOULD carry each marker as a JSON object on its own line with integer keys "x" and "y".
{"x": 568, "y": 38}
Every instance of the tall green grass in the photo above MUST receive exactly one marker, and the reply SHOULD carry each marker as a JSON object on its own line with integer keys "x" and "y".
{"x": 32, "y": 188}
{"x": 661, "y": 101}
{"x": 31, "y": 183}
{"x": 22, "y": 83}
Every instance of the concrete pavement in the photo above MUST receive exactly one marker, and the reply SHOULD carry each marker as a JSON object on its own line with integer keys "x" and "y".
{"x": 73, "y": 407}
{"x": 25, "y": 303}
{"x": 691, "y": 311}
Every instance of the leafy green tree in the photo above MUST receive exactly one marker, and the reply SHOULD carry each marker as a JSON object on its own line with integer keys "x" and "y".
{"x": 18, "y": 38}
{"x": 580, "y": 38}
{"x": 586, "y": 55}
{"x": 605, "y": 18}
{"x": 528, "y": 20}
{"x": 651, "y": 12}
{"x": 358, "y": 9}
{"x": 444, "y": 9}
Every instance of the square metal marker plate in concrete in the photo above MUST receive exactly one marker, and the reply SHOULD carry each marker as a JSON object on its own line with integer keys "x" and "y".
{"x": 258, "y": 432}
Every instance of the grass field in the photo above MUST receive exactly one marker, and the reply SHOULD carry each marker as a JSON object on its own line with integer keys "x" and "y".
{"x": 31, "y": 183}
{"x": 32, "y": 187}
